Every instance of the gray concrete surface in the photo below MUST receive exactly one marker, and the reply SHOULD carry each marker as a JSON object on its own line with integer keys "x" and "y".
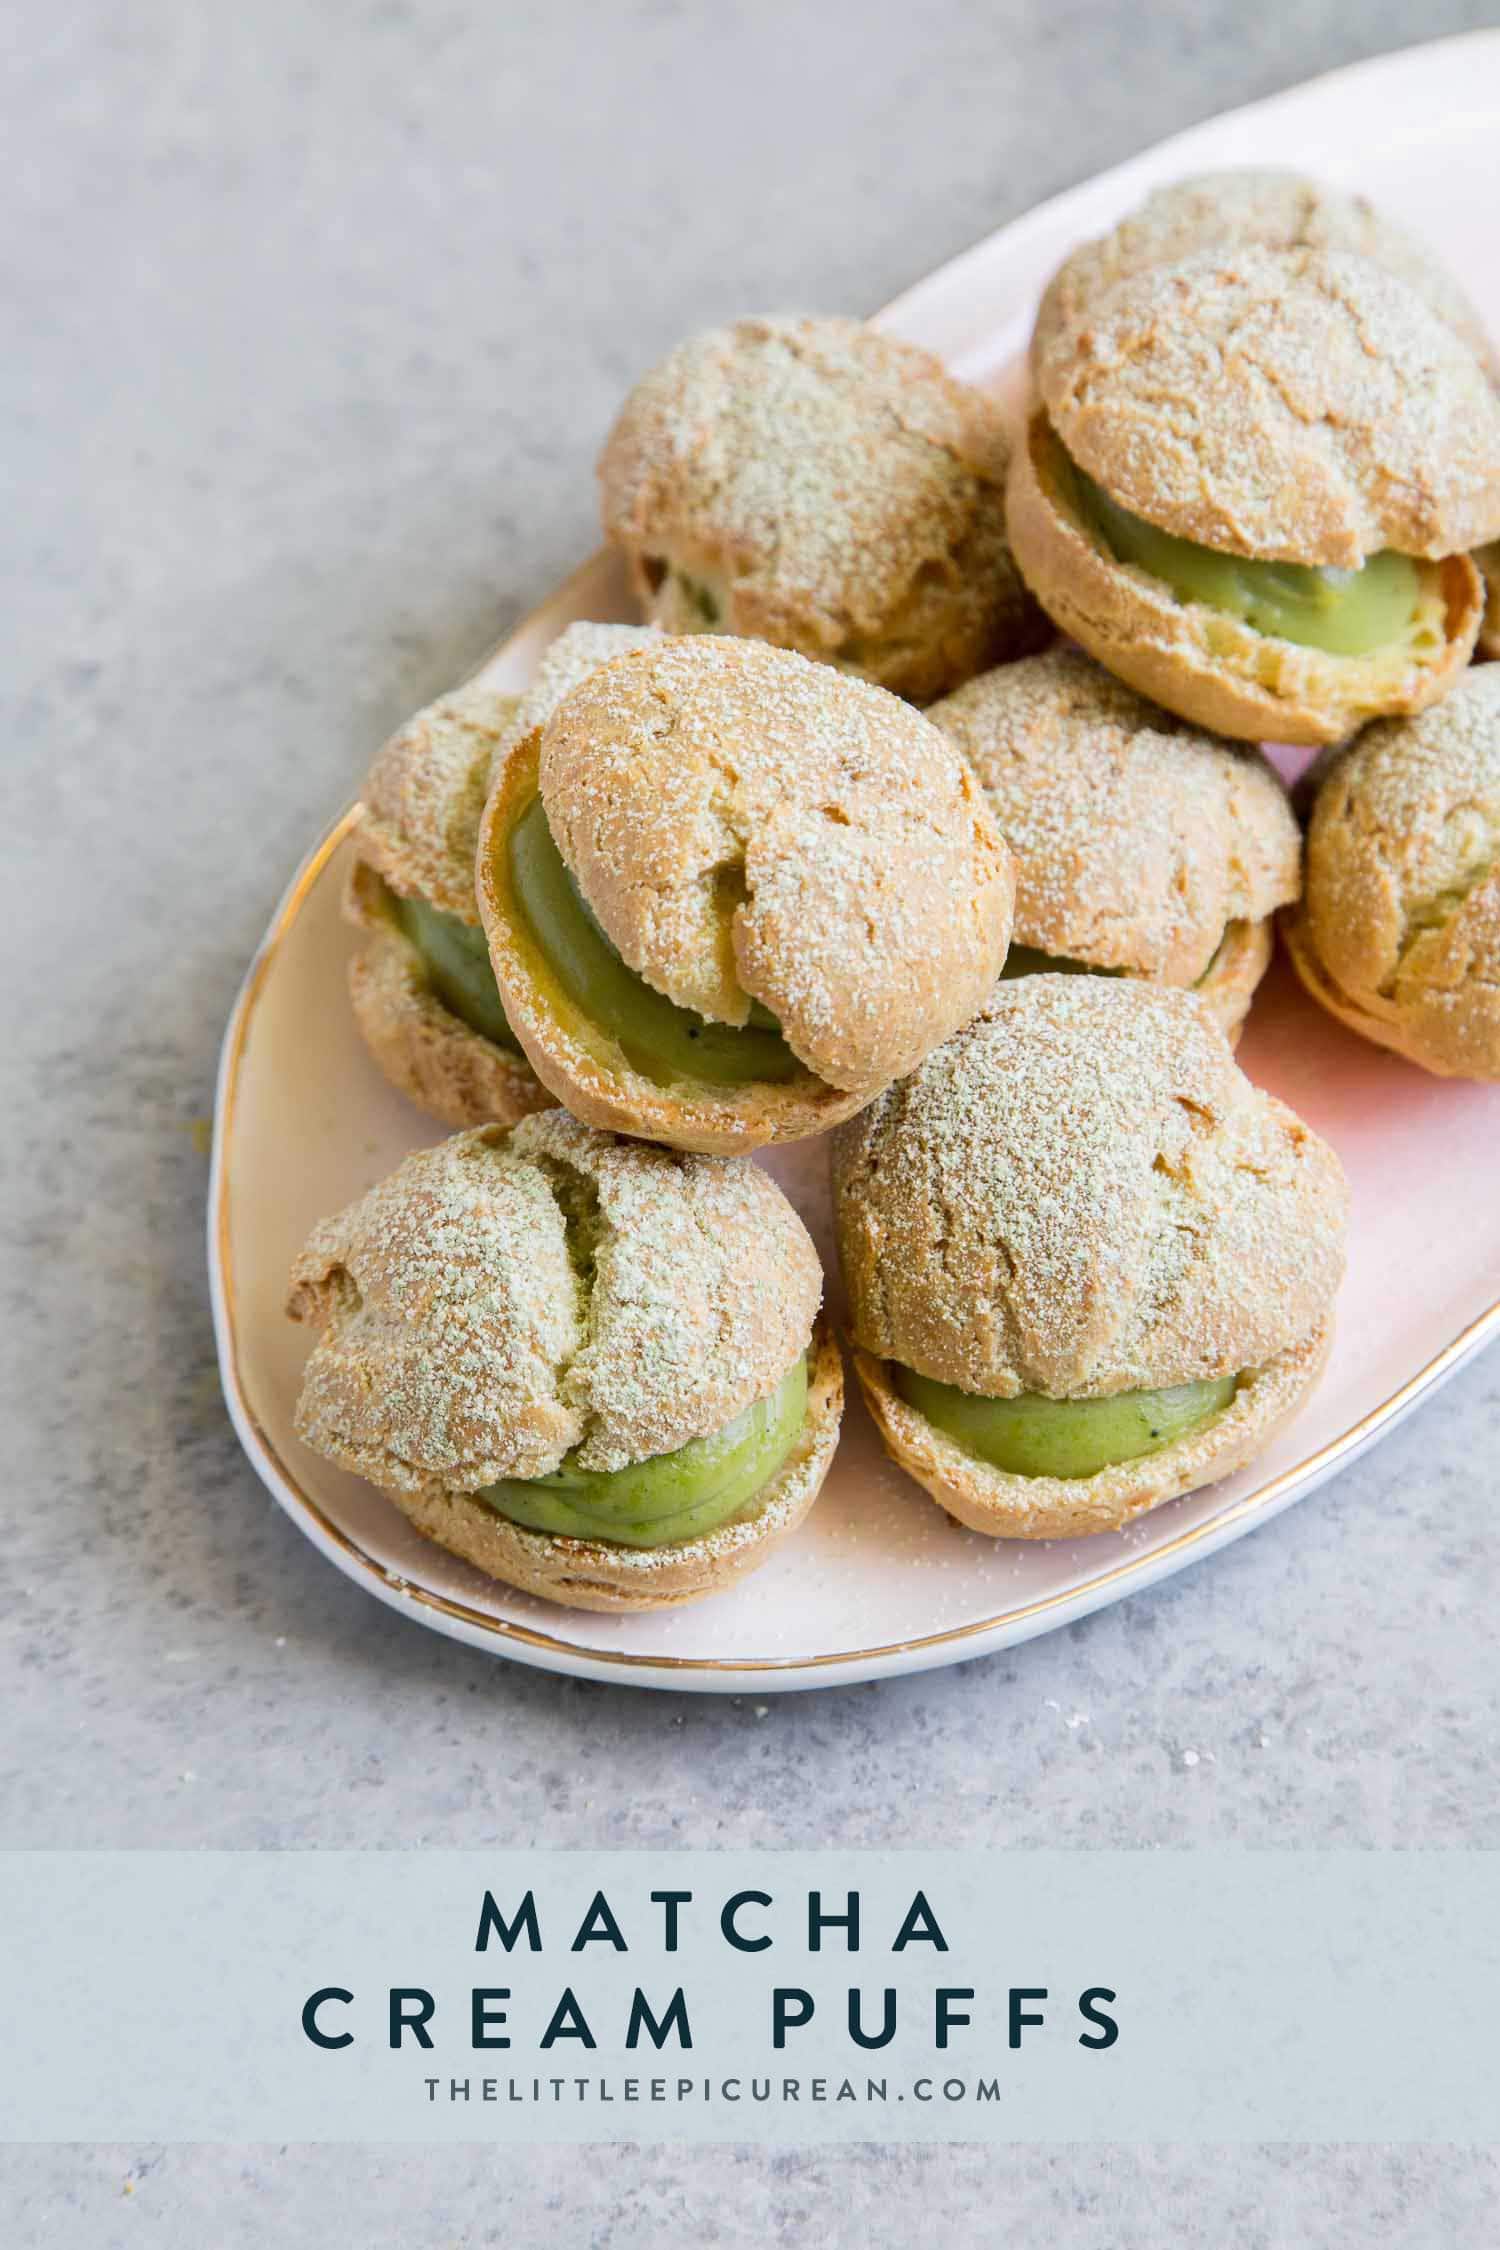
{"x": 315, "y": 318}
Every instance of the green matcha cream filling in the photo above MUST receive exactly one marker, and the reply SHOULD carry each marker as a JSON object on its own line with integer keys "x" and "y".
{"x": 457, "y": 961}
{"x": 1026, "y": 961}
{"x": 1034, "y": 1436}
{"x": 705, "y": 1483}
{"x": 1342, "y": 612}
{"x": 663, "y": 1042}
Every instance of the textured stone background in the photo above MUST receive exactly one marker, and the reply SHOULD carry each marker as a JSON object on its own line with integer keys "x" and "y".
{"x": 315, "y": 319}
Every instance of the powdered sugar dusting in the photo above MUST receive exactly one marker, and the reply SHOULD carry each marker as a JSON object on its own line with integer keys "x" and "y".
{"x": 1296, "y": 405}
{"x": 1230, "y": 211}
{"x": 568, "y": 661}
{"x": 1403, "y": 895}
{"x": 508, "y": 1297}
{"x": 1138, "y": 838}
{"x": 424, "y": 794}
{"x": 746, "y": 823}
{"x": 844, "y": 492}
{"x": 1082, "y": 1194}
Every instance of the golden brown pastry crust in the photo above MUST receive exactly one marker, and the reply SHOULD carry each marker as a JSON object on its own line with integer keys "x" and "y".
{"x": 1398, "y": 934}
{"x": 1142, "y": 844}
{"x": 840, "y": 492}
{"x": 1081, "y": 1194}
{"x": 516, "y": 1294}
{"x": 427, "y": 1052}
{"x": 1296, "y": 406}
{"x": 1228, "y": 985}
{"x": 1232, "y": 210}
{"x": 593, "y": 1574}
{"x": 566, "y": 663}
{"x": 416, "y": 836}
{"x": 420, "y": 806}
{"x": 1200, "y": 663}
{"x": 745, "y": 824}
{"x": 1003, "y": 1506}
{"x": 584, "y": 1067}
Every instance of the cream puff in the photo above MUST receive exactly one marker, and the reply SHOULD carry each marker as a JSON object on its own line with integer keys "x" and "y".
{"x": 420, "y": 980}
{"x": 1090, "y": 1266}
{"x": 1144, "y": 847}
{"x": 592, "y": 1368}
{"x": 1398, "y": 933}
{"x": 730, "y": 894}
{"x": 1238, "y": 210}
{"x": 1249, "y": 488}
{"x": 824, "y": 486}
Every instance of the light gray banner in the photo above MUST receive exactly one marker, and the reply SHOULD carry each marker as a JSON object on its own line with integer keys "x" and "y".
{"x": 1304, "y": 1996}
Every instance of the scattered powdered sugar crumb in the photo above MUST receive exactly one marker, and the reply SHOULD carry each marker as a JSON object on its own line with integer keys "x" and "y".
{"x": 1139, "y": 838}
{"x": 1071, "y": 1720}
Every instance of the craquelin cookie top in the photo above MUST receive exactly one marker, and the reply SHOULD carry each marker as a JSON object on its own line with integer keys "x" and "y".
{"x": 512, "y": 1295}
{"x": 1403, "y": 855}
{"x": 1081, "y": 1194}
{"x": 426, "y": 789}
{"x": 747, "y": 824}
{"x": 1296, "y": 405}
{"x": 425, "y": 792}
{"x": 1138, "y": 838}
{"x": 566, "y": 662}
{"x": 848, "y": 493}
{"x": 1233, "y": 210}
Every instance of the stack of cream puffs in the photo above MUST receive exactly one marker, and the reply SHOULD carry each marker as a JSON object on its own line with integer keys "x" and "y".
{"x": 843, "y": 839}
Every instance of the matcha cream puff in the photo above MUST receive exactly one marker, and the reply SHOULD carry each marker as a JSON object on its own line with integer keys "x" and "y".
{"x": 593, "y": 1369}
{"x": 1249, "y": 487}
{"x": 1089, "y": 1265}
{"x": 1398, "y": 933}
{"x": 820, "y": 485}
{"x": 730, "y": 894}
{"x": 1144, "y": 847}
{"x": 420, "y": 980}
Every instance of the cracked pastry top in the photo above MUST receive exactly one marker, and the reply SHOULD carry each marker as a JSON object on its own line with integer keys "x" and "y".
{"x": 818, "y": 484}
{"x": 420, "y": 980}
{"x": 1398, "y": 933}
{"x": 1239, "y": 209}
{"x": 1144, "y": 847}
{"x": 730, "y": 894}
{"x": 592, "y": 1368}
{"x": 1248, "y": 487}
{"x": 1089, "y": 1265}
